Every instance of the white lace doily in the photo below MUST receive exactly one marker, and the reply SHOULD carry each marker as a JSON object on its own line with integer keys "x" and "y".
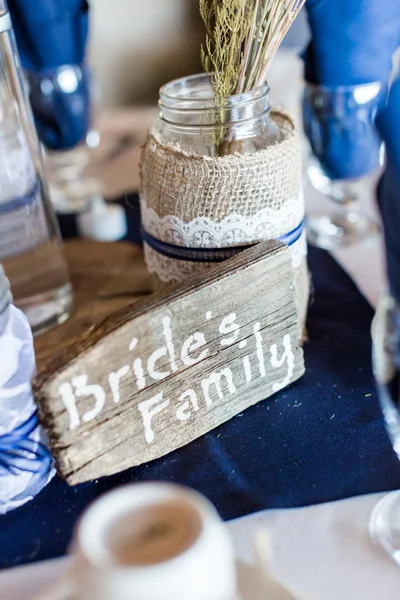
{"x": 232, "y": 230}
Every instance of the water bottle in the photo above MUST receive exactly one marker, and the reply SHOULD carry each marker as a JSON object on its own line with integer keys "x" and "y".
{"x": 30, "y": 244}
{"x": 25, "y": 461}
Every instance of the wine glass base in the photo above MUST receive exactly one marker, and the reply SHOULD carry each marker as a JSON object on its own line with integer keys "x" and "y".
{"x": 74, "y": 197}
{"x": 342, "y": 229}
{"x": 384, "y": 526}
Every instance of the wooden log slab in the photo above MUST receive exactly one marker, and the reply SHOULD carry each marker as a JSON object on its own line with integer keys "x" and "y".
{"x": 158, "y": 374}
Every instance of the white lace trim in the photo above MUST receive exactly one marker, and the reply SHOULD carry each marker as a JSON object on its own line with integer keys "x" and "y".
{"x": 232, "y": 230}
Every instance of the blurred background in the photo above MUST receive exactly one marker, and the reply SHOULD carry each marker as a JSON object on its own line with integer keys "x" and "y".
{"x": 137, "y": 46}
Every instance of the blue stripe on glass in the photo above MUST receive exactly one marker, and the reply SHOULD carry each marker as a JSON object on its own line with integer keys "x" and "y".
{"x": 21, "y": 201}
{"x": 212, "y": 255}
{"x": 19, "y": 453}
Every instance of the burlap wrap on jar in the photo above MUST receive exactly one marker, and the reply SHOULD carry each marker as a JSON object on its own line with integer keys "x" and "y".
{"x": 197, "y": 202}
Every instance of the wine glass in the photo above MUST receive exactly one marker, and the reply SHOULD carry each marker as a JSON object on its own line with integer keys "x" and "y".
{"x": 385, "y": 519}
{"x": 71, "y": 189}
{"x": 345, "y": 156}
{"x": 63, "y": 103}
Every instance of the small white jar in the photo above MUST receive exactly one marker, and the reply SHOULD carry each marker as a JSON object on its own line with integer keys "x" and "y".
{"x": 153, "y": 541}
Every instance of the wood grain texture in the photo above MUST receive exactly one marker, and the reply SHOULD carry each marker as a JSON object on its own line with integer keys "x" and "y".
{"x": 105, "y": 278}
{"x": 164, "y": 371}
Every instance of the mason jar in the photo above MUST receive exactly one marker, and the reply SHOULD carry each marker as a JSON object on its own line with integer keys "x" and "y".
{"x": 218, "y": 179}
{"x": 190, "y": 118}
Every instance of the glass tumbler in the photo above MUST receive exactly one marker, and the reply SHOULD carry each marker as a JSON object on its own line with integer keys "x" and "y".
{"x": 62, "y": 101}
{"x": 30, "y": 244}
{"x": 345, "y": 157}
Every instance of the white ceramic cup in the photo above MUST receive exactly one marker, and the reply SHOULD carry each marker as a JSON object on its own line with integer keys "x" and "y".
{"x": 153, "y": 541}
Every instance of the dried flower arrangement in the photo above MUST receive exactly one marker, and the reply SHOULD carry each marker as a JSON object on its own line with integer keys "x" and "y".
{"x": 242, "y": 37}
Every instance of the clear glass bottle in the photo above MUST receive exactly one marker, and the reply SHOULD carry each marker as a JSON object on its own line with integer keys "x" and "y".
{"x": 30, "y": 243}
{"x": 25, "y": 461}
{"x": 190, "y": 119}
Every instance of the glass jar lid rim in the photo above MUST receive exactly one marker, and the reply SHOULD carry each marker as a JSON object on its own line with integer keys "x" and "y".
{"x": 165, "y": 90}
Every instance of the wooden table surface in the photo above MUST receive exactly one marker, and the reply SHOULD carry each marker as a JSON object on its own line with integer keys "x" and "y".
{"x": 116, "y": 161}
{"x": 105, "y": 278}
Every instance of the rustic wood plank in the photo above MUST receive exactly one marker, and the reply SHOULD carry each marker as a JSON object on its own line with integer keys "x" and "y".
{"x": 164, "y": 371}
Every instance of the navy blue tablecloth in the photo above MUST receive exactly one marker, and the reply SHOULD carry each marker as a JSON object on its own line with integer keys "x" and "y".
{"x": 321, "y": 439}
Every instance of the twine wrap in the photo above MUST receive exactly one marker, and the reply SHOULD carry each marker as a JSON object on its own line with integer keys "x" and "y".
{"x": 194, "y": 201}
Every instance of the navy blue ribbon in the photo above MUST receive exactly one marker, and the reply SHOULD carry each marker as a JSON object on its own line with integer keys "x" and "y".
{"x": 19, "y": 453}
{"x": 292, "y": 237}
{"x": 211, "y": 255}
{"x": 21, "y": 201}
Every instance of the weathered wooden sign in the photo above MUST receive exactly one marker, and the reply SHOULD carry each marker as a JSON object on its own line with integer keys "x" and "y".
{"x": 157, "y": 375}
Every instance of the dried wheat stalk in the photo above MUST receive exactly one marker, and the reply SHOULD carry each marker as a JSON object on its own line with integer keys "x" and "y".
{"x": 242, "y": 37}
